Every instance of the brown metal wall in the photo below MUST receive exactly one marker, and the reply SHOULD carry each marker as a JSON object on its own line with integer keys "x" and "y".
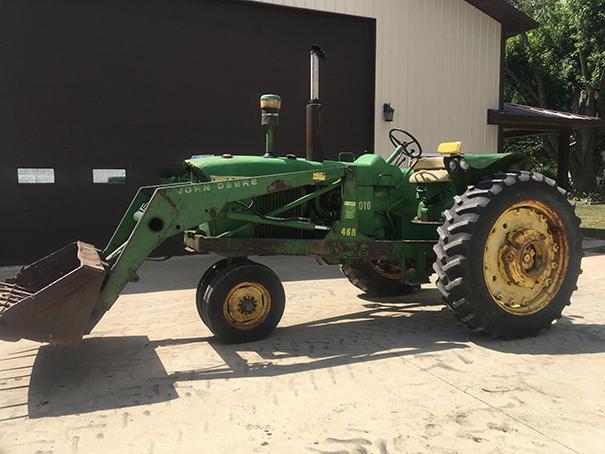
{"x": 437, "y": 64}
{"x": 143, "y": 85}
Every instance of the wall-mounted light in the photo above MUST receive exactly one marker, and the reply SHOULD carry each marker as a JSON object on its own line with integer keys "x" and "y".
{"x": 388, "y": 112}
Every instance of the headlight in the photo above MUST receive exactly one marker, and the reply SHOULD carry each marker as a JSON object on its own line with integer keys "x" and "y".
{"x": 452, "y": 165}
{"x": 464, "y": 165}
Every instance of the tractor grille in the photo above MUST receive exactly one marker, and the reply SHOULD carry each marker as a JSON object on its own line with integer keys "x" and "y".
{"x": 270, "y": 202}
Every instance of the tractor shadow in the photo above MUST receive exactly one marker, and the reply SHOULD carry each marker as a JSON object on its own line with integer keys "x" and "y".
{"x": 117, "y": 372}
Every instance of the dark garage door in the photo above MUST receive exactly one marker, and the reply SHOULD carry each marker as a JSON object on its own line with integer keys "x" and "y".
{"x": 142, "y": 85}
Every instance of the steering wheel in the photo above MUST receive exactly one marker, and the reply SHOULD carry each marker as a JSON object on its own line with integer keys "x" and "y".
{"x": 410, "y": 145}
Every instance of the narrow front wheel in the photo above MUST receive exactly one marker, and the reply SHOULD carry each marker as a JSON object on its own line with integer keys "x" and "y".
{"x": 243, "y": 303}
{"x": 207, "y": 277}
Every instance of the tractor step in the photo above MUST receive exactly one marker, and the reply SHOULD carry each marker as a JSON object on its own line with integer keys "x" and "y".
{"x": 51, "y": 299}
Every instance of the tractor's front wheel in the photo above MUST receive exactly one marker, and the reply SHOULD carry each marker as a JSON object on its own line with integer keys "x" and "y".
{"x": 243, "y": 302}
{"x": 207, "y": 277}
{"x": 377, "y": 278}
{"x": 508, "y": 256}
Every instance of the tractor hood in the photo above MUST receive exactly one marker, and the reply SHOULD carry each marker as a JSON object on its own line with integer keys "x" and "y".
{"x": 205, "y": 168}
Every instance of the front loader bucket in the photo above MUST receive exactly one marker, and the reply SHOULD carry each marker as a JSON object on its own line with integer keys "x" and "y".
{"x": 51, "y": 299}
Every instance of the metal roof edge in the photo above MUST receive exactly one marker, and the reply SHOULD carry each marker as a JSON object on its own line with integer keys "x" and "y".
{"x": 513, "y": 20}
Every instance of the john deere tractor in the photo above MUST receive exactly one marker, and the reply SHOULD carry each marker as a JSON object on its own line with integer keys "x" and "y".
{"x": 503, "y": 241}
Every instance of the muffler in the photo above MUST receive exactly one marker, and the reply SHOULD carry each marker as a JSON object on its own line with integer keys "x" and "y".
{"x": 51, "y": 300}
{"x": 313, "y": 110}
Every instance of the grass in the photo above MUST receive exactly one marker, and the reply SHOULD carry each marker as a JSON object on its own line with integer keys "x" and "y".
{"x": 593, "y": 220}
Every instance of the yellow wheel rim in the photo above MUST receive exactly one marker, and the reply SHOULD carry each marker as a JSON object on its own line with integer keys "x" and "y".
{"x": 386, "y": 269}
{"x": 526, "y": 257}
{"x": 247, "y": 305}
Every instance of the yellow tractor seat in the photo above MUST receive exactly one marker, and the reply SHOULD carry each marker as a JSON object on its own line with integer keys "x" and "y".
{"x": 430, "y": 176}
{"x": 429, "y": 163}
{"x": 431, "y": 169}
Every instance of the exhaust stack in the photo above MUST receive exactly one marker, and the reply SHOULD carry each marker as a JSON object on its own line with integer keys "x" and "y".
{"x": 314, "y": 148}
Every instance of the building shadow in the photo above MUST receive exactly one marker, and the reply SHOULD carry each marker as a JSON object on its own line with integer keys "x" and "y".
{"x": 593, "y": 242}
{"x": 116, "y": 372}
{"x": 102, "y": 373}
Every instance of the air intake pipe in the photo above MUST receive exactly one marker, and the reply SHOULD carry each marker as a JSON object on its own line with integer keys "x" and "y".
{"x": 314, "y": 148}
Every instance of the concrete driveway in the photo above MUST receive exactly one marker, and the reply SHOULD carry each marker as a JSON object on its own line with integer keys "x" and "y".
{"x": 341, "y": 374}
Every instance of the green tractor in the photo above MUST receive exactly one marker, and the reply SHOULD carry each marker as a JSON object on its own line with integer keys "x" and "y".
{"x": 504, "y": 242}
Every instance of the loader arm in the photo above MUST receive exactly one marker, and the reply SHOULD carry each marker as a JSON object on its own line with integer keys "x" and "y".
{"x": 159, "y": 212}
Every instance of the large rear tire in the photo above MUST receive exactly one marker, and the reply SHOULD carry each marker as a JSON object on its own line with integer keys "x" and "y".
{"x": 509, "y": 255}
{"x": 377, "y": 278}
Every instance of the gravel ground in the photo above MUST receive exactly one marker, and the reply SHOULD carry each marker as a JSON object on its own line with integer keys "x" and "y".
{"x": 342, "y": 374}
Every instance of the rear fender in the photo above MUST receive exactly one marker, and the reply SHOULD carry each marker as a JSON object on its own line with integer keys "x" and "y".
{"x": 499, "y": 162}
{"x": 484, "y": 166}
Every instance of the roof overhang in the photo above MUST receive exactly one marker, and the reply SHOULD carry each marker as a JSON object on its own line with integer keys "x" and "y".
{"x": 513, "y": 21}
{"x": 534, "y": 120}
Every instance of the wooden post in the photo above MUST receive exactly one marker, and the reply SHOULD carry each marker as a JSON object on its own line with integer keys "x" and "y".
{"x": 563, "y": 164}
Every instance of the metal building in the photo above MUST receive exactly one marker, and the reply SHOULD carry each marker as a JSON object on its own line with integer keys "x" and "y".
{"x": 437, "y": 64}
{"x": 121, "y": 91}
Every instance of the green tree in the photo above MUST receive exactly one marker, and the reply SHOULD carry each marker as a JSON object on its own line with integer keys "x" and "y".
{"x": 561, "y": 65}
